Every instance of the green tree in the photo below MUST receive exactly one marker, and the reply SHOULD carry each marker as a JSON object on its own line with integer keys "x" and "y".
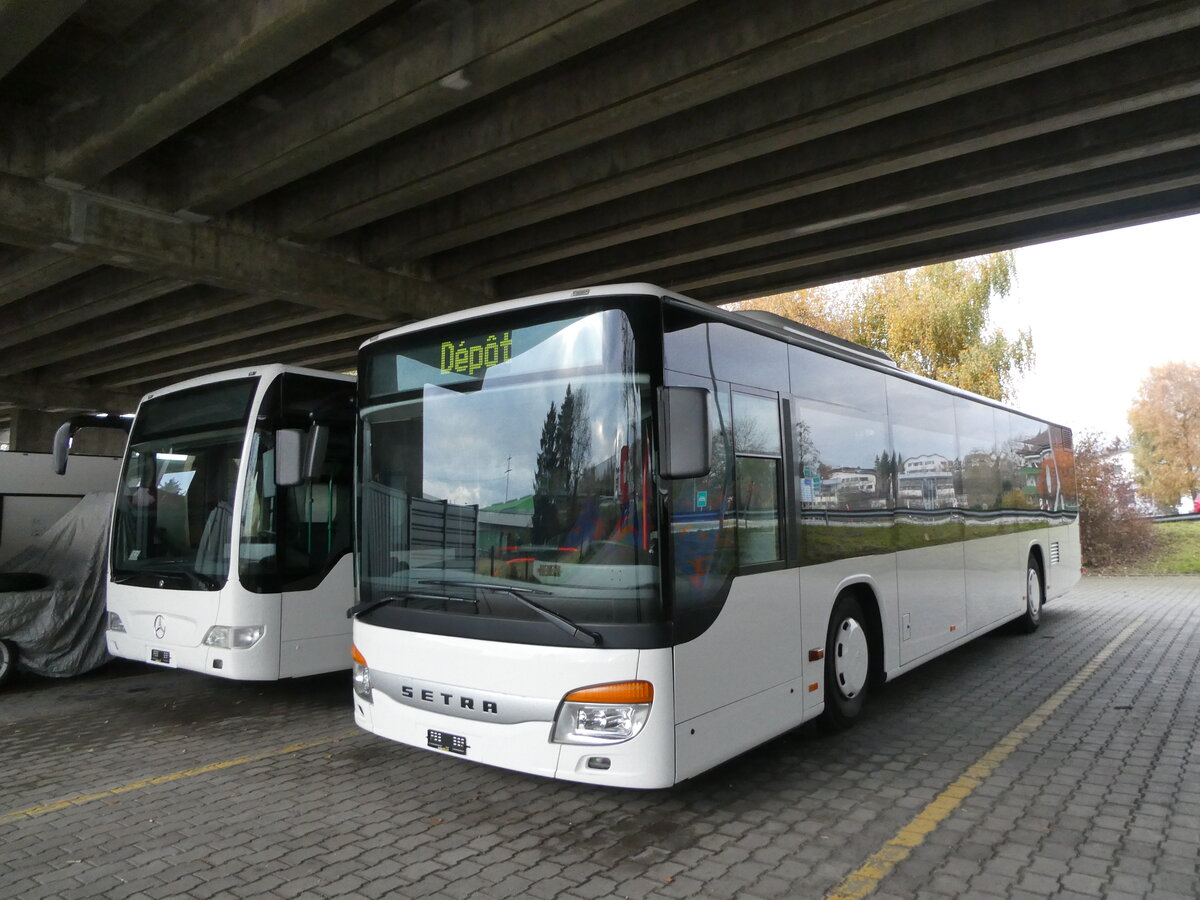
{"x": 1165, "y": 418}
{"x": 562, "y": 454}
{"x": 932, "y": 320}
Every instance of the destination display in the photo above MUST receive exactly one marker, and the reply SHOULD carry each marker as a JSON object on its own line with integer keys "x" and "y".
{"x": 469, "y": 357}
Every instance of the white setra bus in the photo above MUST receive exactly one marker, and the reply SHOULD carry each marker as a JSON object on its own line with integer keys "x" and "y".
{"x": 618, "y": 536}
{"x": 230, "y": 551}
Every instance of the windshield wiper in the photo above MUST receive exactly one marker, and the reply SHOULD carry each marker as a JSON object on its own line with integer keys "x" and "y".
{"x": 195, "y": 579}
{"x": 558, "y": 620}
{"x": 368, "y": 605}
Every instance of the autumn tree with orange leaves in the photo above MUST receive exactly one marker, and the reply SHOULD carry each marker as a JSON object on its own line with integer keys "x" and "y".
{"x": 932, "y": 320}
{"x": 1165, "y": 418}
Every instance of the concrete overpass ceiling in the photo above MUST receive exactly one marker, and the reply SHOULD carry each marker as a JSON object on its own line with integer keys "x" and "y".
{"x": 191, "y": 187}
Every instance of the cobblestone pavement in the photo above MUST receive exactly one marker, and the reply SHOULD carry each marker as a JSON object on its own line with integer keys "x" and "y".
{"x": 184, "y": 786}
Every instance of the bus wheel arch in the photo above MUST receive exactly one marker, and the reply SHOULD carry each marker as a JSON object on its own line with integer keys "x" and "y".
{"x": 853, "y": 656}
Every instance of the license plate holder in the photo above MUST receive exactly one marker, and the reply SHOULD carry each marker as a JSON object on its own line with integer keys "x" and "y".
{"x": 162, "y": 657}
{"x": 441, "y": 740}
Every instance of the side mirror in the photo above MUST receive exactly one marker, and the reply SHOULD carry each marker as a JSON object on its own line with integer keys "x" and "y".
{"x": 289, "y": 451}
{"x": 685, "y": 435}
{"x": 62, "y": 447}
{"x": 66, "y": 431}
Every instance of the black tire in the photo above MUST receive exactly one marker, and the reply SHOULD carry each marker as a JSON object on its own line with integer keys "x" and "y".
{"x": 1035, "y": 597}
{"x": 848, "y": 664}
{"x": 8, "y": 660}
{"x": 22, "y": 581}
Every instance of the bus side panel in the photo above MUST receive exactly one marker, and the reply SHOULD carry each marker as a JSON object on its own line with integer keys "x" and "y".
{"x": 1064, "y": 574}
{"x": 737, "y": 667}
{"x": 995, "y": 579}
{"x": 721, "y": 734}
{"x": 933, "y": 606}
{"x": 314, "y": 630}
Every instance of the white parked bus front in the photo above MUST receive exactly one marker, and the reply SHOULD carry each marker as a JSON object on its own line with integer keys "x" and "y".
{"x": 225, "y": 559}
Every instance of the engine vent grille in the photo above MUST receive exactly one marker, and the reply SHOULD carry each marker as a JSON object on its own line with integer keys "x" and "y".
{"x": 1054, "y": 554}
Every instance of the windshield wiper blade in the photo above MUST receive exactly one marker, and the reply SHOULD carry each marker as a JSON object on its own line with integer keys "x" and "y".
{"x": 558, "y": 620}
{"x": 368, "y": 605}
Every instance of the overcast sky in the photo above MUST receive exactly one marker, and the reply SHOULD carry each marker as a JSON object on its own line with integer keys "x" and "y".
{"x": 1104, "y": 309}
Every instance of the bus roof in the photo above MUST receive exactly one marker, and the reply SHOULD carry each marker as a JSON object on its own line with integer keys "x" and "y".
{"x": 754, "y": 320}
{"x": 271, "y": 369}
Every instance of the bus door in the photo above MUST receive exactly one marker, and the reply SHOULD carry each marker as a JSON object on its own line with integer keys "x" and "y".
{"x": 296, "y": 536}
{"x": 731, "y": 681}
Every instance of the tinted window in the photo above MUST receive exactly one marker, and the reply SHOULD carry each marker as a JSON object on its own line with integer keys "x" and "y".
{"x": 1064, "y": 461}
{"x": 844, "y": 467}
{"x": 980, "y": 481}
{"x": 926, "y": 457}
{"x": 923, "y": 434}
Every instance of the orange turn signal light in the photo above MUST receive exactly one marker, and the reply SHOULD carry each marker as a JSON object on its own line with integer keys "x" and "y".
{"x": 617, "y": 692}
{"x": 357, "y": 656}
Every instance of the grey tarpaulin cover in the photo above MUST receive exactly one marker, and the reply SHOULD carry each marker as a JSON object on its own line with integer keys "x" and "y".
{"x": 59, "y": 630}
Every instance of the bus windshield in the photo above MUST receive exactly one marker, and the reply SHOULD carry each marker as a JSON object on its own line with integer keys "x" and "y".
{"x": 172, "y": 526}
{"x": 505, "y": 477}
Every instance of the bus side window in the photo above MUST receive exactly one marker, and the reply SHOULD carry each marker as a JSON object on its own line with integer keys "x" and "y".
{"x": 758, "y": 458}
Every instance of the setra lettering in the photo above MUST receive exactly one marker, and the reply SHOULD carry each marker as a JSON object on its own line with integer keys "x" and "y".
{"x": 427, "y": 695}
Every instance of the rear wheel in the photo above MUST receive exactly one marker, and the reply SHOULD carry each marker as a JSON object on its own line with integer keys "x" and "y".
{"x": 847, "y": 663}
{"x": 8, "y": 660}
{"x": 1035, "y": 596}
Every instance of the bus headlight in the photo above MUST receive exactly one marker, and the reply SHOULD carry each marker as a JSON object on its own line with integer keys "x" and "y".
{"x": 604, "y": 714}
{"x": 115, "y": 623}
{"x": 362, "y": 674}
{"x": 233, "y": 637}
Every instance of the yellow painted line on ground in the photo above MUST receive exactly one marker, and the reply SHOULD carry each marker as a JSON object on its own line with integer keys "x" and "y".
{"x": 866, "y": 879}
{"x": 83, "y": 799}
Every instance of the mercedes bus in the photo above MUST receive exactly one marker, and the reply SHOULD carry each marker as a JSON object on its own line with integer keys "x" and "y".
{"x": 617, "y": 536}
{"x": 230, "y": 546}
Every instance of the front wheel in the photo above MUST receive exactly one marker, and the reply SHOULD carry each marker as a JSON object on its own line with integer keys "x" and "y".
{"x": 847, "y": 664}
{"x": 1035, "y": 596}
{"x": 8, "y": 660}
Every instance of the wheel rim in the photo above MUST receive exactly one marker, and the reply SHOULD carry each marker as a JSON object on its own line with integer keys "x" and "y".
{"x": 1033, "y": 593}
{"x": 5, "y": 659}
{"x": 851, "y": 659}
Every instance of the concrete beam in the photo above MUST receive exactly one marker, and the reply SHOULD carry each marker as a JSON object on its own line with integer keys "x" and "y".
{"x": 26, "y": 23}
{"x": 33, "y": 393}
{"x": 1177, "y": 172}
{"x": 171, "y": 342}
{"x": 1138, "y": 210}
{"x": 182, "y": 309}
{"x": 102, "y": 230}
{"x": 714, "y": 51}
{"x": 106, "y": 292}
{"x": 234, "y": 46}
{"x": 479, "y": 52}
{"x": 262, "y": 349}
{"x": 490, "y": 238}
{"x": 1135, "y": 138}
{"x": 954, "y": 58}
{"x": 27, "y": 273}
